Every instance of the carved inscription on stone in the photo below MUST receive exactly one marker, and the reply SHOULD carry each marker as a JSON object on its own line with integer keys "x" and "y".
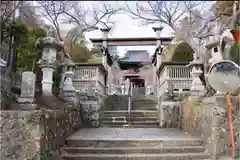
{"x": 28, "y": 84}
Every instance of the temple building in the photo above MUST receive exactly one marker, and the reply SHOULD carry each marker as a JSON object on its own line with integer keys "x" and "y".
{"x": 136, "y": 65}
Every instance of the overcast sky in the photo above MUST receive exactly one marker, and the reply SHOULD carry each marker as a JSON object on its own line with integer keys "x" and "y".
{"x": 124, "y": 27}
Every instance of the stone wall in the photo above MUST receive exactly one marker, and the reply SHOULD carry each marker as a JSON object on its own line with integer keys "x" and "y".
{"x": 171, "y": 115}
{"x": 208, "y": 119}
{"x": 37, "y": 134}
{"x": 19, "y": 135}
{"x": 91, "y": 107}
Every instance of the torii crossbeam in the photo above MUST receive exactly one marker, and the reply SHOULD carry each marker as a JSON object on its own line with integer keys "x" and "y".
{"x": 144, "y": 41}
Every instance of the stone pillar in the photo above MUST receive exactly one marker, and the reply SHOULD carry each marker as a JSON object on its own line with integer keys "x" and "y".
{"x": 197, "y": 88}
{"x": 158, "y": 56}
{"x": 105, "y": 45}
{"x": 64, "y": 69}
{"x": 158, "y": 32}
{"x": 105, "y": 32}
{"x": 27, "y": 90}
{"x": 47, "y": 63}
{"x": 69, "y": 92}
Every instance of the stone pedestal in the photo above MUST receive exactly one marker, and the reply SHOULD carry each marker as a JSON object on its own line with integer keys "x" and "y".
{"x": 47, "y": 81}
{"x": 27, "y": 90}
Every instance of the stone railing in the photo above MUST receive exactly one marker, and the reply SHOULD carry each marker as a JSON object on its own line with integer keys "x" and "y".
{"x": 58, "y": 125}
{"x": 88, "y": 74}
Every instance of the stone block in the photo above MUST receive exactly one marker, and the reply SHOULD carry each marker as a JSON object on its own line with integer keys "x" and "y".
{"x": 28, "y": 85}
{"x": 20, "y": 134}
{"x": 22, "y": 100}
{"x": 208, "y": 119}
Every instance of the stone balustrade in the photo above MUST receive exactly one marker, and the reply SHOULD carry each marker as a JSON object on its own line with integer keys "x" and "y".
{"x": 89, "y": 74}
{"x": 174, "y": 78}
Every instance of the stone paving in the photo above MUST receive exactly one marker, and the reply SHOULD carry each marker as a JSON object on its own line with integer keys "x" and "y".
{"x": 132, "y": 134}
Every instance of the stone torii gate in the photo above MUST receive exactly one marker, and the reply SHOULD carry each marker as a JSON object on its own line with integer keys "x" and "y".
{"x": 159, "y": 41}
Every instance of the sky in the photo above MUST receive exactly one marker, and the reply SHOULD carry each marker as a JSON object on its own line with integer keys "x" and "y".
{"x": 124, "y": 27}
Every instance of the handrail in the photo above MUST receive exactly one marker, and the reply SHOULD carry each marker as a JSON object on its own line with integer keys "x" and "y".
{"x": 129, "y": 101}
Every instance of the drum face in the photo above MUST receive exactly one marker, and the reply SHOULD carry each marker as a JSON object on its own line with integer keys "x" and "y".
{"x": 224, "y": 76}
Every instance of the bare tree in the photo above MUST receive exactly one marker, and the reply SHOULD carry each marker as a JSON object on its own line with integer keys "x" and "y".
{"x": 8, "y": 9}
{"x": 74, "y": 12}
{"x": 171, "y": 12}
{"x": 27, "y": 14}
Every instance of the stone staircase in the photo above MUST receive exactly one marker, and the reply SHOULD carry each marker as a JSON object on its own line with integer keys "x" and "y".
{"x": 133, "y": 144}
{"x": 143, "y": 113}
{"x": 142, "y": 140}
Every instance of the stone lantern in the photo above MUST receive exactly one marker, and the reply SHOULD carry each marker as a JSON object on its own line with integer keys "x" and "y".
{"x": 48, "y": 63}
{"x": 69, "y": 74}
{"x": 68, "y": 90}
{"x": 197, "y": 88}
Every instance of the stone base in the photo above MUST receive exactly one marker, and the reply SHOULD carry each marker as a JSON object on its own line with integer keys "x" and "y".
{"x": 26, "y": 100}
{"x": 69, "y": 97}
{"x": 28, "y": 106}
{"x": 70, "y": 100}
{"x": 93, "y": 104}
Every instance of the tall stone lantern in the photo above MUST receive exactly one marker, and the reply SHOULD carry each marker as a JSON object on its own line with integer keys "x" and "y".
{"x": 48, "y": 63}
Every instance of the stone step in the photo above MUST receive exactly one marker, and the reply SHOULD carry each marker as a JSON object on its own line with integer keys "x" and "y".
{"x": 106, "y": 117}
{"x": 132, "y": 122}
{"x": 133, "y": 112}
{"x": 130, "y": 125}
{"x": 110, "y": 116}
{"x": 133, "y": 103}
{"x": 143, "y": 108}
{"x": 144, "y": 118}
{"x": 132, "y": 108}
{"x": 74, "y": 142}
{"x": 114, "y": 122}
{"x": 129, "y": 150}
{"x": 143, "y": 103}
{"x": 142, "y": 156}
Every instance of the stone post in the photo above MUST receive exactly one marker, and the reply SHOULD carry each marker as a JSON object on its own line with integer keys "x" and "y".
{"x": 69, "y": 92}
{"x": 50, "y": 46}
{"x": 197, "y": 88}
{"x": 27, "y": 90}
